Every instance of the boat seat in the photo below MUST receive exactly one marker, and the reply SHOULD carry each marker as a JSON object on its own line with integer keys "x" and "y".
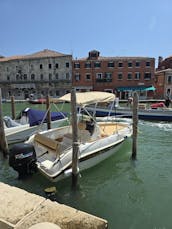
{"x": 46, "y": 142}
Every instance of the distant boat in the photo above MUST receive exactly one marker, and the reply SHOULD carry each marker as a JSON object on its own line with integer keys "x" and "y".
{"x": 37, "y": 101}
{"x": 156, "y": 112}
{"x": 29, "y": 122}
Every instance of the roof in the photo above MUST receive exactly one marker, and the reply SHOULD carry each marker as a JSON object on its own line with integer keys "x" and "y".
{"x": 41, "y": 54}
{"x": 116, "y": 58}
{"x": 91, "y": 97}
{"x": 164, "y": 70}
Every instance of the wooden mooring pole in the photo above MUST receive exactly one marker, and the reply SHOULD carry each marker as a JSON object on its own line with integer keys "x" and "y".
{"x": 135, "y": 124}
{"x": 75, "y": 170}
{"x": 13, "y": 111}
{"x": 3, "y": 141}
{"x": 48, "y": 113}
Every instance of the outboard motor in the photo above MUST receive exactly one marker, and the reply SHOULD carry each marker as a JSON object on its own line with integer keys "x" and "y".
{"x": 22, "y": 158}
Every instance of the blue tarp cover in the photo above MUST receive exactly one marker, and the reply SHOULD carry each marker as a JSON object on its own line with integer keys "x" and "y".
{"x": 36, "y": 116}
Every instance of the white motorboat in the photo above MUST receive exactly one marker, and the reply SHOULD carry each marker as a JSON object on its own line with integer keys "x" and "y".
{"x": 52, "y": 150}
{"x": 30, "y": 122}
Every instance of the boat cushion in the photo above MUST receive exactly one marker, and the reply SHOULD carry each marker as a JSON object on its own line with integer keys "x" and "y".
{"x": 47, "y": 142}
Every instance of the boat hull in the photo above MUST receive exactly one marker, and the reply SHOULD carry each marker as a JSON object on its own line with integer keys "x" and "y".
{"x": 23, "y": 132}
{"x": 150, "y": 115}
{"x": 91, "y": 154}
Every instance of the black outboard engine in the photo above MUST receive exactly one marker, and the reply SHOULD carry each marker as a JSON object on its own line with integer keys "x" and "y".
{"x": 22, "y": 158}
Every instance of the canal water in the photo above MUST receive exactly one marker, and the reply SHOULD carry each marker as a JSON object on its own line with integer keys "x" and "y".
{"x": 129, "y": 195}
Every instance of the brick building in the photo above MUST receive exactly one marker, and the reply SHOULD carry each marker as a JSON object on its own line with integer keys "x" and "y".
{"x": 121, "y": 75}
{"x": 41, "y": 73}
{"x": 163, "y": 78}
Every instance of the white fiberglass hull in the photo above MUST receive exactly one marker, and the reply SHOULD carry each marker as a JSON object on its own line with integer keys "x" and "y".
{"x": 22, "y": 133}
{"x": 90, "y": 154}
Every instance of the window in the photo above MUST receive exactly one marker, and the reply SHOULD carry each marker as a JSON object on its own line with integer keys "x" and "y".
{"x": 25, "y": 76}
{"x": 108, "y": 75}
{"x": 31, "y": 66}
{"x": 50, "y": 76}
{"x": 168, "y": 92}
{"x": 67, "y": 64}
{"x": 97, "y": 64}
{"x": 77, "y": 77}
{"x": 120, "y": 64}
{"x": 8, "y": 78}
{"x": 99, "y": 76}
{"x": 51, "y": 93}
{"x": 41, "y": 77}
{"x": 147, "y": 76}
{"x": 130, "y": 64}
{"x": 41, "y": 66}
{"x": 120, "y": 76}
{"x": 17, "y": 76}
{"x": 57, "y": 65}
{"x": 76, "y": 65}
{"x": 49, "y": 66}
{"x": 88, "y": 77}
{"x": 137, "y": 64}
{"x": 111, "y": 64}
{"x": 57, "y": 93}
{"x": 67, "y": 76}
{"x": 129, "y": 77}
{"x": 147, "y": 63}
{"x": 87, "y": 65}
{"x": 33, "y": 77}
{"x": 57, "y": 76}
{"x": 137, "y": 76}
{"x": 169, "y": 79}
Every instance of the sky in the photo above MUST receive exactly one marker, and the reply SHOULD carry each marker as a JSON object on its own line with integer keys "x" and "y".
{"x": 113, "y": 27}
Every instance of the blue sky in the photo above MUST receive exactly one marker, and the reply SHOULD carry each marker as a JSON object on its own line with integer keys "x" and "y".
{"x": 114, "y": 27}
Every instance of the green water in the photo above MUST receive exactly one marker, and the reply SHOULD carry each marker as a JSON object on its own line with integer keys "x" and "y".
{"x": 129, "y": 195}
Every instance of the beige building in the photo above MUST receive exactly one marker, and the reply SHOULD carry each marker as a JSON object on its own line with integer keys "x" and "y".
{"x": 36, "y": 75}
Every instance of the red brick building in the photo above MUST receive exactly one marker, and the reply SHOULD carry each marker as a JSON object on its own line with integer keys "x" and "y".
{"x": 120, "y": 75}
{"x": 163, "y": 78}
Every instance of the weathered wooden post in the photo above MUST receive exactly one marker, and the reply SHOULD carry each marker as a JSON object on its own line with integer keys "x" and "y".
{"x": 75, "y": 170}
{"x": 3, "y": 142}
{"x": 48, "y": 118}
{"x": 135, "y": 123}
{"x": 13, "y": 111}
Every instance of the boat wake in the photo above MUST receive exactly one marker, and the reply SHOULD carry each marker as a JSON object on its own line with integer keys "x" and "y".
{"x": 165, "y": 126}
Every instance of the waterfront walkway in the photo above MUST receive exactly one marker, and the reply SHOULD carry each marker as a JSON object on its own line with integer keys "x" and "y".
{"x": 21, "y": 210}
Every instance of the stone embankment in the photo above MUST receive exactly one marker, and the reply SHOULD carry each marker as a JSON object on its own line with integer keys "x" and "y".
{"x": 21, "y": 210}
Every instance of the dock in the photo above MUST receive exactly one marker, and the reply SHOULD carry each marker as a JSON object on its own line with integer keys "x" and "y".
{"x": 21, "y": 210}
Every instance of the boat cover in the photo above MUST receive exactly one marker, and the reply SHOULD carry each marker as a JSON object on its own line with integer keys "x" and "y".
{"x": 156, "y": 105}
{"x": 87, "y": 98}
{"x": 37, "y": 116}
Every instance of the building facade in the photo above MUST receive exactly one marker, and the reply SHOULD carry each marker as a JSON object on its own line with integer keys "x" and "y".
{"x": 120, "y": 75}
{"x": 42, "y": 73}
{"x": 163, "y": 78}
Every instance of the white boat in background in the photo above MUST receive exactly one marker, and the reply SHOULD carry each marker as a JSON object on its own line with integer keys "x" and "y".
{"x": 52, "y": 150}
{"x": 30, "y": 122}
